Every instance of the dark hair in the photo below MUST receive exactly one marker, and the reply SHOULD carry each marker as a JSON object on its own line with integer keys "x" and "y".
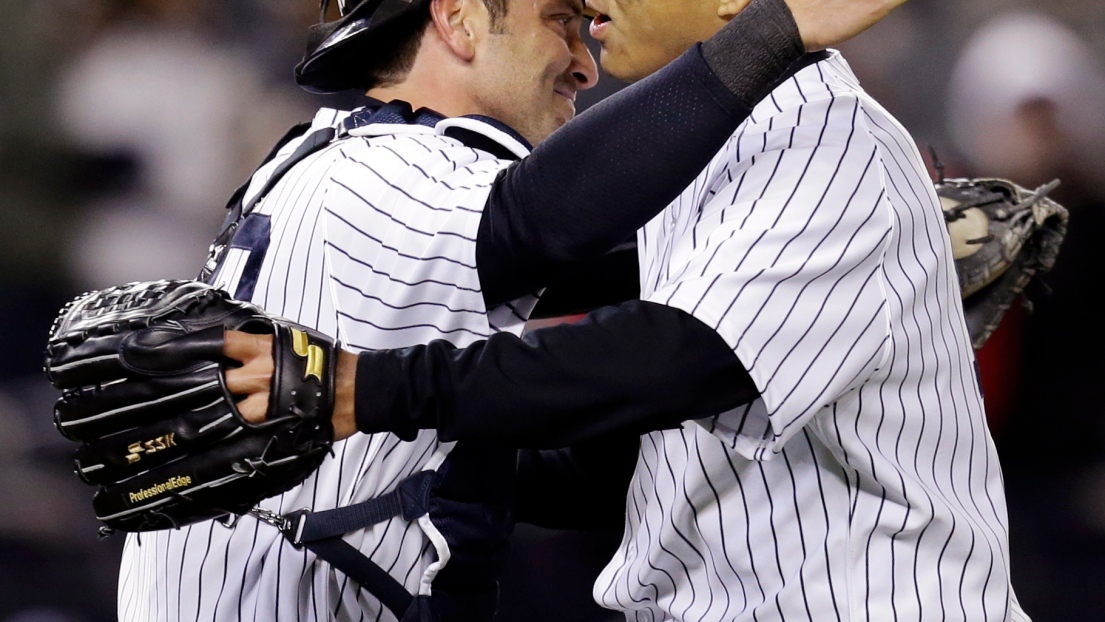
{"x": 385, "y": 58}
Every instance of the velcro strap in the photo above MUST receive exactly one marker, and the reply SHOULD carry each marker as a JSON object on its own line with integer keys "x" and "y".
{"x": 410, "y": 500}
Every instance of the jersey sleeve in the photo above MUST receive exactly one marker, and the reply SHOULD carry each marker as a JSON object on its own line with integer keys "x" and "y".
{"x": 401, "y": 215}
{"x": 783, "y": 260}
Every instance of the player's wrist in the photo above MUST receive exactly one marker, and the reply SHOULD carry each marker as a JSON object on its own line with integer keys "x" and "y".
{"x": 304, "y": 375}
{"x": 754, "y": 50}
{"x": 345, "y": 384}
{"x": 824, "y": 23}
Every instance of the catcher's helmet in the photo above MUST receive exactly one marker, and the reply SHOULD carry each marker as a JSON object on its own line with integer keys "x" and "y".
{"x": 332, "y": 46}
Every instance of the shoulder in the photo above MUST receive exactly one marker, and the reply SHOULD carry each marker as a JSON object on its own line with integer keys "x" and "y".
{"x": 819, "y": 105}
{"x": 824, "y": 82}
{"x": 456, "y": 148}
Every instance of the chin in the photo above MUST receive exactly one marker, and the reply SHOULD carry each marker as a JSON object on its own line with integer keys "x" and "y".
{"x": 619, "y": 67}
{"x": 567, "y": 116}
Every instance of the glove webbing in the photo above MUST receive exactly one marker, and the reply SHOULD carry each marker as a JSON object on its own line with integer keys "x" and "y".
{"x": 321, "y": 533}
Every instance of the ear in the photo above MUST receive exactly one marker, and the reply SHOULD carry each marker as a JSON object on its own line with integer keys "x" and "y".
{"x": 728, "y": 9}
{"x": 456, "y": 23}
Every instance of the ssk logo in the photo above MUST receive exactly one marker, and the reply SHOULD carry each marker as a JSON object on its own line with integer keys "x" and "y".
{"x": 161, "y": 443}
{"x": 316, "y": 358}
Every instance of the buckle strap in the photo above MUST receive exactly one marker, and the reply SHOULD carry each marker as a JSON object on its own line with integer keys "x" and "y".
{"x": 410, "y": 499}
{"x": 321, "y": 532}
{"x": 346, "y": 558}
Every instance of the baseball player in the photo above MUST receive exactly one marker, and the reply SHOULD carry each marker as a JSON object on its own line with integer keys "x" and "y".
{"x": 800, "y": 314}
{"x": 412, "y": 220}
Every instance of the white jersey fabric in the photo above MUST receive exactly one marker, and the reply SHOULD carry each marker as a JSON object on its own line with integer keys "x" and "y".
{"x": 863, "y": 486}
{"x": 372, "y": 242}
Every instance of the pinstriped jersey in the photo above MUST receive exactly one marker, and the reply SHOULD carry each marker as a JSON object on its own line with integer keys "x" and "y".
{"x": 863, "y": 484}
{"x": 370, "y": 240}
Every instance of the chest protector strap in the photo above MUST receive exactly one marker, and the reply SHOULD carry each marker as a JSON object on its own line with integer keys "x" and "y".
{"x": 321, "y": 533}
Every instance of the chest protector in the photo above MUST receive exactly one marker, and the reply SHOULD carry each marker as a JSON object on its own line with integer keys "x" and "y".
{"x": 468, "y": 498}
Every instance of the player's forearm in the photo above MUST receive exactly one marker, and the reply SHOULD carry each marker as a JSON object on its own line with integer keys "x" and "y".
{"x": 593, "y": 183}
{"x": 634, "y": 368}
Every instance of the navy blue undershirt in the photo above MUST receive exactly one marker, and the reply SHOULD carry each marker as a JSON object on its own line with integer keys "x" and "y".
{"x": 623, "y": 370}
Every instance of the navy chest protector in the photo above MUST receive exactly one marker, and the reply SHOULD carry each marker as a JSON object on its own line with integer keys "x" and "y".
{"x": 469, "y": 498}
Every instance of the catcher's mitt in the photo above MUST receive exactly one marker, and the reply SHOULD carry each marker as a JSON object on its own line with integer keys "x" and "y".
{"x": 161, "y": 436}
{"x": 1003, "y": 235}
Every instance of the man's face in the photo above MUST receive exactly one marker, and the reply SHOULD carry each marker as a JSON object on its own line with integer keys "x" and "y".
{"x": 533, "y": 64}
{"x": 638, "y": 37}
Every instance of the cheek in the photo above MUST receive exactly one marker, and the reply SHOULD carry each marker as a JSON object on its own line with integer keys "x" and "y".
{"x": 636, "y": 46}
{"x": 630, "y": 60}
{"x": 613, "y": 61}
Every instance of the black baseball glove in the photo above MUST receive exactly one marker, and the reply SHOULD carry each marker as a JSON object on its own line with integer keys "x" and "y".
{"x": 144, "y": 393}
{"x": 1003, "y": 236}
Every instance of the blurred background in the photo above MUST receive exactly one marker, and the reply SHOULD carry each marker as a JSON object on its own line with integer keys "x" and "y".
{"x": 126, "y": 124}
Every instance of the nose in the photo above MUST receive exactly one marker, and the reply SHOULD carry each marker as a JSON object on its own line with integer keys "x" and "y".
{"x": 583, "y": 68}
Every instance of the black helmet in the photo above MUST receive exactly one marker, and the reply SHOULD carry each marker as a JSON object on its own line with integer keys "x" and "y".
{"x": 332, "y": 46}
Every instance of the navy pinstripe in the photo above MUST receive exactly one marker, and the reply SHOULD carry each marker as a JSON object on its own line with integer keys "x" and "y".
{"x": 862, "y": 485}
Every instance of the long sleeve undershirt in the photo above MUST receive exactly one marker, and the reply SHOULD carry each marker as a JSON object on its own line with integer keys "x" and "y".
{"x": 592, "y": 184}
{"x": 638, "y": 366}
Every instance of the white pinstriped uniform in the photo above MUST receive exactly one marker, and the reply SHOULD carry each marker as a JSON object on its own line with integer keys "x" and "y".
{"x": 863, "y": 485}
{"x": 373, "y": 241}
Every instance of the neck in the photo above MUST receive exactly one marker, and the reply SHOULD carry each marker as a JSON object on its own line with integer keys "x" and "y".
{"x": 438, "y": 81}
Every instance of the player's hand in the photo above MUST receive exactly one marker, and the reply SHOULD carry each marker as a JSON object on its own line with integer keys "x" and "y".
{"x": 824, "y": 23}
{"x": 253, "y": 380}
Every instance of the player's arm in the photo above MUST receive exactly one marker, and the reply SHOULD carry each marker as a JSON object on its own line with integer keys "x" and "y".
{"x": 637, "y": 367}
{"x": 633, "y": 368}
{"x": 612, "y": 279}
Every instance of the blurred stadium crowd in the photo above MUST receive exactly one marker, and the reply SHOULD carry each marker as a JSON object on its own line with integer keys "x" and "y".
{"x": 126, "y": 124}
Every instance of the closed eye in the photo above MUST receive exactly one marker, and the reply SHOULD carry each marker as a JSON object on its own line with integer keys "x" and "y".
{"x": 569, "y": 21}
